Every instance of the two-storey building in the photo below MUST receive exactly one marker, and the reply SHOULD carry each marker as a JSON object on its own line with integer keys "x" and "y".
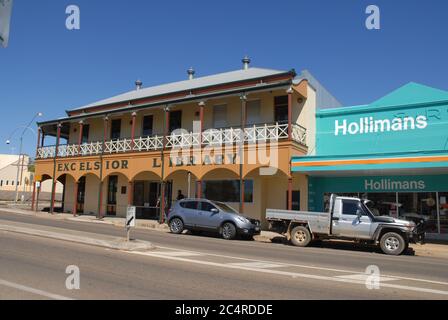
{"x": 227, "y": 137}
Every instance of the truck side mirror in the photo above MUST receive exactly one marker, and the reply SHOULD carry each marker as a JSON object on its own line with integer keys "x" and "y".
{"x": 359, "y": 213}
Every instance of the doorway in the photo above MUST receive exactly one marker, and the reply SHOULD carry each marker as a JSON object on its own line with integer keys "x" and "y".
{"x": 147, "y": 198}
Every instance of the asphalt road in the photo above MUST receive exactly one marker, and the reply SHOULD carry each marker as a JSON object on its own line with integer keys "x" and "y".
{"x": 194, "y": 267}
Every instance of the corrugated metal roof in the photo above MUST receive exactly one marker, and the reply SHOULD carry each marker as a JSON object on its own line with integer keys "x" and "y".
{"x": 185, "y": 85}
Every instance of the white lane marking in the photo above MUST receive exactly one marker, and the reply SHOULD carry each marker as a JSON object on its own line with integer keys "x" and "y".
{"x": 32, "y": 290}
{"x": 291, "y": 274}
{"x": 364, "y": 277}
{"x": 313, "y": 267}
{"x": 178, "y": 253}
{"x": 257, "y": 265}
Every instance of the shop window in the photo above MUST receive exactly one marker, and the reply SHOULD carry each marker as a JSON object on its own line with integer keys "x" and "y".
{"x": 219, "y": 116}
{"x": 175, "y": 120}
{"x": 419, "y": 206}
{"x": 443, "y": 212}
{"x": 227, "y": 190}
{"x": 147, "y": 126}
{"x": 115, "y": 129}
{"x": 85, "y": 133}
{"x": 253, "y": 111}
{"x": 281, "y": 109}
{"x": 382, "y": 203}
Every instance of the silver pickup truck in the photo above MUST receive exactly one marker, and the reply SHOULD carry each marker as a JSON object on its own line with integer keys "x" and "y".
{"x": 348, "y": 219}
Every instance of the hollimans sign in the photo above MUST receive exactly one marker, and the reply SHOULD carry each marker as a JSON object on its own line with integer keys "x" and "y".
{"x": 366, "y": 125}
{"x": 92, "y": 165}
{"x": 393, "y": 185}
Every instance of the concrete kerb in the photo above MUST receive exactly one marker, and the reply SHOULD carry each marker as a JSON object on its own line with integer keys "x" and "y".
{"x": 80, "y": 237}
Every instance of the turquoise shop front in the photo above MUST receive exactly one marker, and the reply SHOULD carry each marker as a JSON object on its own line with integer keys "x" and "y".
{"x": 393, "y": 152}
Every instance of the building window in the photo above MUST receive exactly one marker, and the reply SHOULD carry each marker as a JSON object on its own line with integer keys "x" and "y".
{"x": 81, "y": 190}
{"x": 115, "y": 129}
{"x": 112, "y": 190}
{"x": 220, "y": 116}
{"x": 227, "y": 190}
{"x": 7, "y": 182}
{"x": 85, "y": 133}
{"x": 1, "y": 183}
{"x": 147, "y": 126}
{"x": 175, "y": 120}
{"x": 253, "y": 111}
{"x": 281, "y": 109}
{"x": 12, "y": 182}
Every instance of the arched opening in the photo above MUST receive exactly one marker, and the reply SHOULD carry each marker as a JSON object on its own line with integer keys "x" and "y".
{"x": 63, "y": 192}
{"x": 221, "y": 185}
{"x": 270, "y": 190}
{"x": 85, "y": 194}
{"x": 183, "y": 185}
{"x": 146, "y": 189}
{"x": 44, "y": 191}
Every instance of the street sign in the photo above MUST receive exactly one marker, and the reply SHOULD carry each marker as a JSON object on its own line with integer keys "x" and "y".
{"x": 37, "y": 184}
{"x": 5, "y": 18}
{"x": 130, "y": 217}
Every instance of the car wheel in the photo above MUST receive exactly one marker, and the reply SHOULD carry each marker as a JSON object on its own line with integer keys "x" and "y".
{"x": 392, "y": 243}
{"x": 300, "y": 236}
{"x": 228, "y": 231}
{"x": 176, "y": 225}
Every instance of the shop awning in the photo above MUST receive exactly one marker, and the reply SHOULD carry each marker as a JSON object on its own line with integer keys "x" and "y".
{"x": 436, "y": 161}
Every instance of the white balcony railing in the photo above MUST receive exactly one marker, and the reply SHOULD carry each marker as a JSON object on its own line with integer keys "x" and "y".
{"x": 212, "y": 137}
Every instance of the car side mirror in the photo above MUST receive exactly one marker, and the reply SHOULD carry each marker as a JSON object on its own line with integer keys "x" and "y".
{"x": 214, "y": 210}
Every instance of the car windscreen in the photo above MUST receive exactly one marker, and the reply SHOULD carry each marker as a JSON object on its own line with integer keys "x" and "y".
{"x": 224, "y": 207}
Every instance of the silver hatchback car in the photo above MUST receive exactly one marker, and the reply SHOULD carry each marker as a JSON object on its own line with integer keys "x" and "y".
{"x": 206, "y": 215}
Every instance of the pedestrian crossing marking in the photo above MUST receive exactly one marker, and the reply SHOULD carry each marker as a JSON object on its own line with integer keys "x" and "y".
{"x": 177, "y": 253}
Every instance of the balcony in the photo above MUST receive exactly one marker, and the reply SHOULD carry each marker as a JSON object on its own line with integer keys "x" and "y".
{"x": 211, "y": 137}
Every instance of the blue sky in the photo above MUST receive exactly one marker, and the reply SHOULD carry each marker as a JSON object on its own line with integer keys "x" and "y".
{"x": 48, "y": 68}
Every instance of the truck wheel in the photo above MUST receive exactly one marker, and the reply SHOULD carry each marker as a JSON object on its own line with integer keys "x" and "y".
{"x": 300, "y": 236}
{"x": 392, "y": 243}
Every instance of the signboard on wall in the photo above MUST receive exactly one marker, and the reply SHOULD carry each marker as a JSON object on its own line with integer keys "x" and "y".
{"x": 408, "y": 119}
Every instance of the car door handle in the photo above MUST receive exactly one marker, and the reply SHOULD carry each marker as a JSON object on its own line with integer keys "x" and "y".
{"x": 335, "y": 219}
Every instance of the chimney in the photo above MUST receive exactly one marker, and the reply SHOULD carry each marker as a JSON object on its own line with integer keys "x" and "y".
{"x": 191, "y": 73}
{"x": 246, "y": 62}
{"x": 138, "y": 84}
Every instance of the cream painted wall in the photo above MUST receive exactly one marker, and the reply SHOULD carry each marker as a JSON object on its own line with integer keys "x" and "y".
{"x": 306, "y": 117}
